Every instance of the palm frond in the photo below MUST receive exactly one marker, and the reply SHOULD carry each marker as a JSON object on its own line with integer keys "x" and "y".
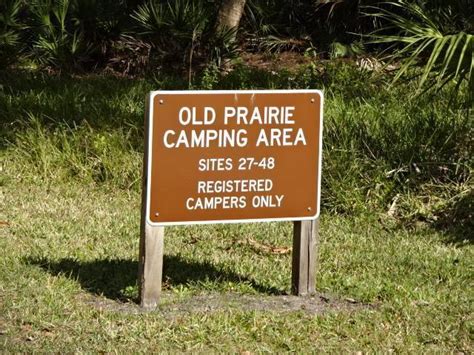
{"x": 10, "y": 29}
{"x": 421, "y": 40}
{"x": 56, "y": 43}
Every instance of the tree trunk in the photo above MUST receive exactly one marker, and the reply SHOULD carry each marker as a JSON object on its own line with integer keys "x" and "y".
{"x": 229, "y": 14}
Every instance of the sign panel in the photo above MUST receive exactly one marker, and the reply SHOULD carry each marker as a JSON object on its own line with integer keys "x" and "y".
{"x": 233, "y": 156}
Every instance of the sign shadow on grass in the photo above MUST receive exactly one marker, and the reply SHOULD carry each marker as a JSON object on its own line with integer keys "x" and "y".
{"x": 112, "y": 277}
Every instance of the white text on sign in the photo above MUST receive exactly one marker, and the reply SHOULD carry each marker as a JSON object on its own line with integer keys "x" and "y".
{"x": 240, "y": 115}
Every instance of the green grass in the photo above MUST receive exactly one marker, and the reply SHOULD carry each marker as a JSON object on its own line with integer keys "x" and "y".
{"x": 70, "y": 246}
{"x": 71, "y": 152}
{"x": 379, "y": 140}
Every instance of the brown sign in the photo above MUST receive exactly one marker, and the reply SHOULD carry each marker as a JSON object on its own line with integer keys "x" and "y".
{"x": 233, "y": 156}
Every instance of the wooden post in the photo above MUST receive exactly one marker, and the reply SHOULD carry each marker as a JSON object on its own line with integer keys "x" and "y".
{"x": 305, "y": 257}
{"x": 150, "y": 259}
{"x": 151, "y": 265}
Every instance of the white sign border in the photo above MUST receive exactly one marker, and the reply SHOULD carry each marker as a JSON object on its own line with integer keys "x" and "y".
{"x": 149, "y": 148}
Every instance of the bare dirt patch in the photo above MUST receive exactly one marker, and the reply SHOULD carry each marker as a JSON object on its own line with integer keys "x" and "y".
{"x": 172, "y": 306}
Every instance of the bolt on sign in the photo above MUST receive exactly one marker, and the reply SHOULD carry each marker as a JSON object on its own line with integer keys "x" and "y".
{"x": 233, "y": 156}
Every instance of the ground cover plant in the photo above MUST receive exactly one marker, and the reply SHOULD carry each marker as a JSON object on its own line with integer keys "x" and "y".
{"x": 396, "y": 251}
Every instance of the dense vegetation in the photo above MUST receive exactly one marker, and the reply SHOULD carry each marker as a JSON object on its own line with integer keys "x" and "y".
{"x": 397, "y": 198}
{"x": 133, "y": 36}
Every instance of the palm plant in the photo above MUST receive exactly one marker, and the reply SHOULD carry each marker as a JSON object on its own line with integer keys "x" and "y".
{"x": 101, "y": 22}
{"x": 338, "y": 23}
{"x": 278, "y": 25}
{"x": 56, "y": 42}
{"x": 221, "y": 46}
{"x": 182, "y": 32}
{"x": 296, "y": 25}
{"x": 436, "y": 36}
{"x": 10, "y": 27}
{"x": 172, "y": 26}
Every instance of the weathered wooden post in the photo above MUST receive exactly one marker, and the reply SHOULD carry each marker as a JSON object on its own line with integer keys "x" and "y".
{"x": 150, "y": 259}
{"x": 151, "y": 265}
{"x": 305, "y": 257}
